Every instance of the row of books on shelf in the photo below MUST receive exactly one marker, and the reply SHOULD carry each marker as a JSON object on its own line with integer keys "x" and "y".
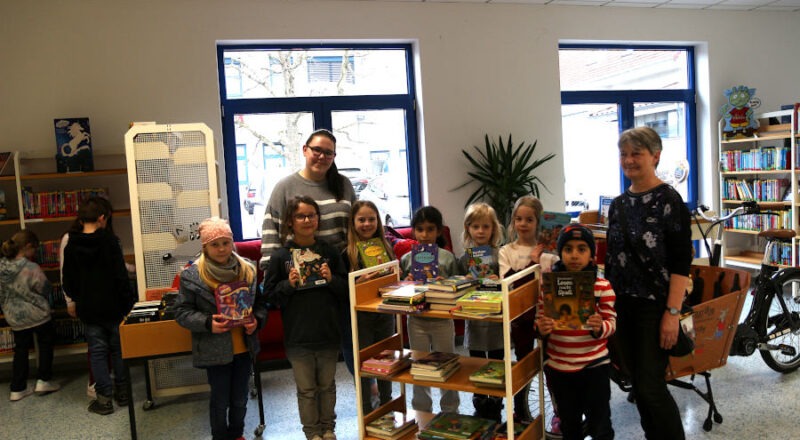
{"x": 757, "y": 159}
{"x": 760, "y": 222}
{"x": 444, "y": 426}
{"x": 458, "y": 294}
{"x": 433, "y": 367}
{"x": 47, "y": 254}
{"x": 781, "y": 254}
{"x": 48, "y": 204}
{"x": 764, "y": 190}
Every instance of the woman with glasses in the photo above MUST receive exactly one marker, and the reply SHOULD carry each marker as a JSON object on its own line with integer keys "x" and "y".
{"x": 320, "y": 180}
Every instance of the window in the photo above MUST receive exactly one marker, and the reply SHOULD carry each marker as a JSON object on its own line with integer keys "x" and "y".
{"x": 608, "y": 89}
{"x": 273, "y": 97}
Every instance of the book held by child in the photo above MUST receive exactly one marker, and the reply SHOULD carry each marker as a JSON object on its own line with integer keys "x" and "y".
{"x": 569, "y": 298}
{"x": 309, "y": 264}
{"x": 479, "y": 261}
{"x": 424, "y": 262}
{"x": 235, "y": 302}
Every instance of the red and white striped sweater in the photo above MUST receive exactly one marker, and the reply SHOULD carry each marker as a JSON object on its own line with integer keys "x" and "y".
{"x": 572, "y": 350}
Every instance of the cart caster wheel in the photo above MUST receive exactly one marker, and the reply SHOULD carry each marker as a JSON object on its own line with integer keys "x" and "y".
{"x": 718, "y": 418}
{"x": 259, "y": 430}
{"x": 707, "y": 425}
{"x": 148, "y": 405}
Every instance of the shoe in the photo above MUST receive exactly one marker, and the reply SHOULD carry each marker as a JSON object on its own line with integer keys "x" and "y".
{"x": 329, "y": 435}
{"x": 46, "y": 387}
{"x": 90, "y": 393}
{"x": 102, "y": 405}
{"x": 19, "y": 395}
{"x": 121, "y": 396}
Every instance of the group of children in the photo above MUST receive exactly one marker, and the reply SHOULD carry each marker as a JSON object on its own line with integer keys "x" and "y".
{"x": 311, "y": 314}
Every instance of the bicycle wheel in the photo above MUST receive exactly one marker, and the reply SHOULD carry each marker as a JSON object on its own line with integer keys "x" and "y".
{"x": 532, "y": 392}
{"x": 772, "y": 320}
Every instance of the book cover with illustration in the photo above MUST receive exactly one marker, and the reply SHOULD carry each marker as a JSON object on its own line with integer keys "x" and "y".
{"x": 73, "y": 145}
{"x": 393, "y": 424}
{"x": 568, "y": 298}
{"x": 457, "y": 426}
{"x": 424, "y": 262}
{"x": 488, "y": 301}
{"x": 491, "y": 373}
{"x": 602, "y": 212}
{"x": 372, "y": 252}
{"x": 480, "y": 260}
{"x": 235, "y": 302}
{"x": 309, "y": 264}
{"x": 552, "y": 223}
{"x": 435, "y": 360}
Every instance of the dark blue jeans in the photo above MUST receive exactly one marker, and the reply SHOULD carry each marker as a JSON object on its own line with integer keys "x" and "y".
{"x": 638, "y": 330}
{"x": 23, "y": 343}
{"x": 585, "y": 392}
{"x": 103, "y": 341}
{"x": 346, "y": 331}
{"x": 228, "y": 403}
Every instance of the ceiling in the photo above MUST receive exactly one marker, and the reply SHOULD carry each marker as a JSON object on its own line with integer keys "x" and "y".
{"x": 730, "y": 5}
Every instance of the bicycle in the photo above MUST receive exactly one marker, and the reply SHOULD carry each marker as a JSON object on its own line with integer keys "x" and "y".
{"x": 772, "y": 324}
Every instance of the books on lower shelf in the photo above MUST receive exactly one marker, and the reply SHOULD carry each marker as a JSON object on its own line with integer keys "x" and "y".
{"x": 407, "y": 293}
{"x": 437, "y": 375}
{"x": 387, "y": 362}
{"x": 391, "y": 426}
{"x": 491, "y": 374}
{"x": 454, "y": 426}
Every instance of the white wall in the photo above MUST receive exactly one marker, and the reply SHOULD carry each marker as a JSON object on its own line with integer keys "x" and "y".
{"x": 483, "y": 68}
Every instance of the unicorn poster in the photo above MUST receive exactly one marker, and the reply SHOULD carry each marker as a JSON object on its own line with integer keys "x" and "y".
{"x": 73, "y": 145}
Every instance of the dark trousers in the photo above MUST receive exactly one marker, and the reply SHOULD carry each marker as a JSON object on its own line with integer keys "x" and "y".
{"x": 585, "y": 392}
{"x": 103, "y": 341}
{"x": 346, "y": 331}
{"x": 638, "y": 333}
{"x": 23, "y": 343}
{"x": 228, "y": 402}
{"x": 522, "y": 336}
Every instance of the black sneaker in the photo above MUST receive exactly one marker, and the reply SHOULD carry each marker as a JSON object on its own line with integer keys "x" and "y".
{"x": 102, "y": 405}
{"x": 121, "y": 395}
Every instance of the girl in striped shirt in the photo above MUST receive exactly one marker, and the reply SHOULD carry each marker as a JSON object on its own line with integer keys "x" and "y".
{"x": 577, "y": 364}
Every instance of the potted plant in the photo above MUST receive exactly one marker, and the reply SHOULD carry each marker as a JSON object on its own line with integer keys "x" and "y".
{"x": 503, "y": 173}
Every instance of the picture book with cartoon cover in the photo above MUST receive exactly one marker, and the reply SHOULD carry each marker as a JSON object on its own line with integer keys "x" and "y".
{"x": 235, "y": 302}
{"x": 424, "y": 261}
{"x": 392, "y": 425}
{"x": 568, "y": 298}
{"x": 480, "y": 260}
{"x": 309, "y": 264}
{"x": 487, "y": 301}
{"x": 457, "y": 426}
{"x": 372, "y": 252}
{"x": 552, "y": 223}
{"x": 491, "y": 373}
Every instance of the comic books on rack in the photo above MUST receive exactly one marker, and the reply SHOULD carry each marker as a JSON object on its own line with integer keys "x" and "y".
{"x": 568, "y": 298}
{"x": 308, "y": 263}
{"x": 235, "y": 302}
{"x": 424, "y": 261}
{"x": 391, "y": 426}
{"x": 480, "y": 260}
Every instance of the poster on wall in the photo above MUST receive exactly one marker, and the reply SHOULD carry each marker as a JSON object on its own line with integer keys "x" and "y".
{"x": 73, "y": 145}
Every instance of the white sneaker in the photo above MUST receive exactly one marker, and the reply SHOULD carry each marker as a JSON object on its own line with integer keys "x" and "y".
{"x": 45, "y": 387}
{"x": 19, "y": 395}
{"x": 329, "y": 435}
{"x": 90, "y": 392}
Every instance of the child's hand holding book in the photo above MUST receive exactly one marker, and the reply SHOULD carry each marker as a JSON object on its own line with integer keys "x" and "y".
{"x": 595, "y": 321}
{"x": 545, "y": 324}
{"x": 219, "y": 324}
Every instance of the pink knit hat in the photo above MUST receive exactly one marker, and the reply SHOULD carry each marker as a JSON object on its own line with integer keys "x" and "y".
{"x": 213, "y": 228}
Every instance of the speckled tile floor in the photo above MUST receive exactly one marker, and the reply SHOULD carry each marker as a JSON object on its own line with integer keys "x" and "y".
{"x": 756, "y": 403}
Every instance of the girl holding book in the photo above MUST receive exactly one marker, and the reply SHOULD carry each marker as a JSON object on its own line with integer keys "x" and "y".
{"x": 482, "y": 235}
{"x": 431, "y": 334}
{"x": 310, "y": 314}
{"x": 366, "y": 228}
{"x": 224, "y": 349}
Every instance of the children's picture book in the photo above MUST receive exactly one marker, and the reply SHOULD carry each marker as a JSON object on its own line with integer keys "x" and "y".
{"x": 488, "y": 301}
{"x": 435, "y": 360}
{"x": 309, "y": 264}
{"x": 491, "y": 373}
{"x": 424, "y": 262}
{"x": 73, "y": 145}
{"x": 480, "y": 260}
{"x": 387, "y": 362}
{"x": 568, "y": 298}
{"x": 453, "y": 283}
{"x": 402, "y": 283}
{"x": 552, "y": 223}
{"x": 457, "y": 426}
{"x": 602, "y": 212}
{"x": 440, "y": 375}
{"x": 235, "y": 302}
{"x": 406, "y": 294}
{"x": 372, "y": 252}
{"x": 392, "y": 425}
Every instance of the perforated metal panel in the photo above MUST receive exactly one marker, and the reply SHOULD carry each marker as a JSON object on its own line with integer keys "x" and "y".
{"x": 175, "y": 375}
{"x": 173, "y": 186}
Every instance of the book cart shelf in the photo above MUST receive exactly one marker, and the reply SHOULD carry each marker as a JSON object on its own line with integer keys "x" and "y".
{"x": 22, "y": 174}
{"x": 364, "y": 297}
{"x": 763, "y": 168}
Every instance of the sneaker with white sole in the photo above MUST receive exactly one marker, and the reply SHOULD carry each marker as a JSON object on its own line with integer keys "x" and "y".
{"x": 19, "y": 395}
{"x": 329, "y": 435}
{"x": 45, "y": 387}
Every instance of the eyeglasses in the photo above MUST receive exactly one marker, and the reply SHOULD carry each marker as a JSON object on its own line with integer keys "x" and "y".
{"x": 321, "y": 151}
{"x": 304, "y": 217}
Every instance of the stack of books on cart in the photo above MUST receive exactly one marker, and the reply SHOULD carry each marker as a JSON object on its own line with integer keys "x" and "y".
{"x": 387, "y": 363}
{"x": 458, "y": 427}
{"x": 479, "y": 304}
{"x": 436, "y": 366}
{"x": 443, "y": 294}
{"x": 492, "y": 374}
{"x": 406, "y": 298}
{"x": 391, "y": 426}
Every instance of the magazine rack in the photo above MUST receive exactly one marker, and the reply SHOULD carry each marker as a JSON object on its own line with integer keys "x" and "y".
{"x": 364, "y": 297}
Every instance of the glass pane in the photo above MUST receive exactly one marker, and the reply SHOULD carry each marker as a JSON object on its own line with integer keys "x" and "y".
{"x": 669, "y": 120}
{"x": 314, "y": 72}
{"x": 590, "y": 134}
{"x": 371, "y": 147}
{"x": 272, "y": 145}
{"x": 622, "y": 69}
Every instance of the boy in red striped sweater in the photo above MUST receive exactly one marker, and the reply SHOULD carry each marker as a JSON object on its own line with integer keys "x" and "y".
{"x": 577, "y": 364}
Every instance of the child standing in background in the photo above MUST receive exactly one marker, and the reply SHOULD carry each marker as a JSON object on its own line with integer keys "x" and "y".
{"x": 225, "y": 351}
{"x": 431, "y": 334}
{"x": 365, "y": 223}
{"x": 24, "y": 291}
{"x": 310, "y": 316}
{"x": 95, "y": 277}
{"x": 521, "y": 252}
{"x": 577, "y": 363}
{"x": 483, "y": 339}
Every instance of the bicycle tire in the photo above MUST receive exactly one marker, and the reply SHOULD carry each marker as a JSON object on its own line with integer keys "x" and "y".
{"x": 532, "y": 397}
{"x": 771, "y": 318}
